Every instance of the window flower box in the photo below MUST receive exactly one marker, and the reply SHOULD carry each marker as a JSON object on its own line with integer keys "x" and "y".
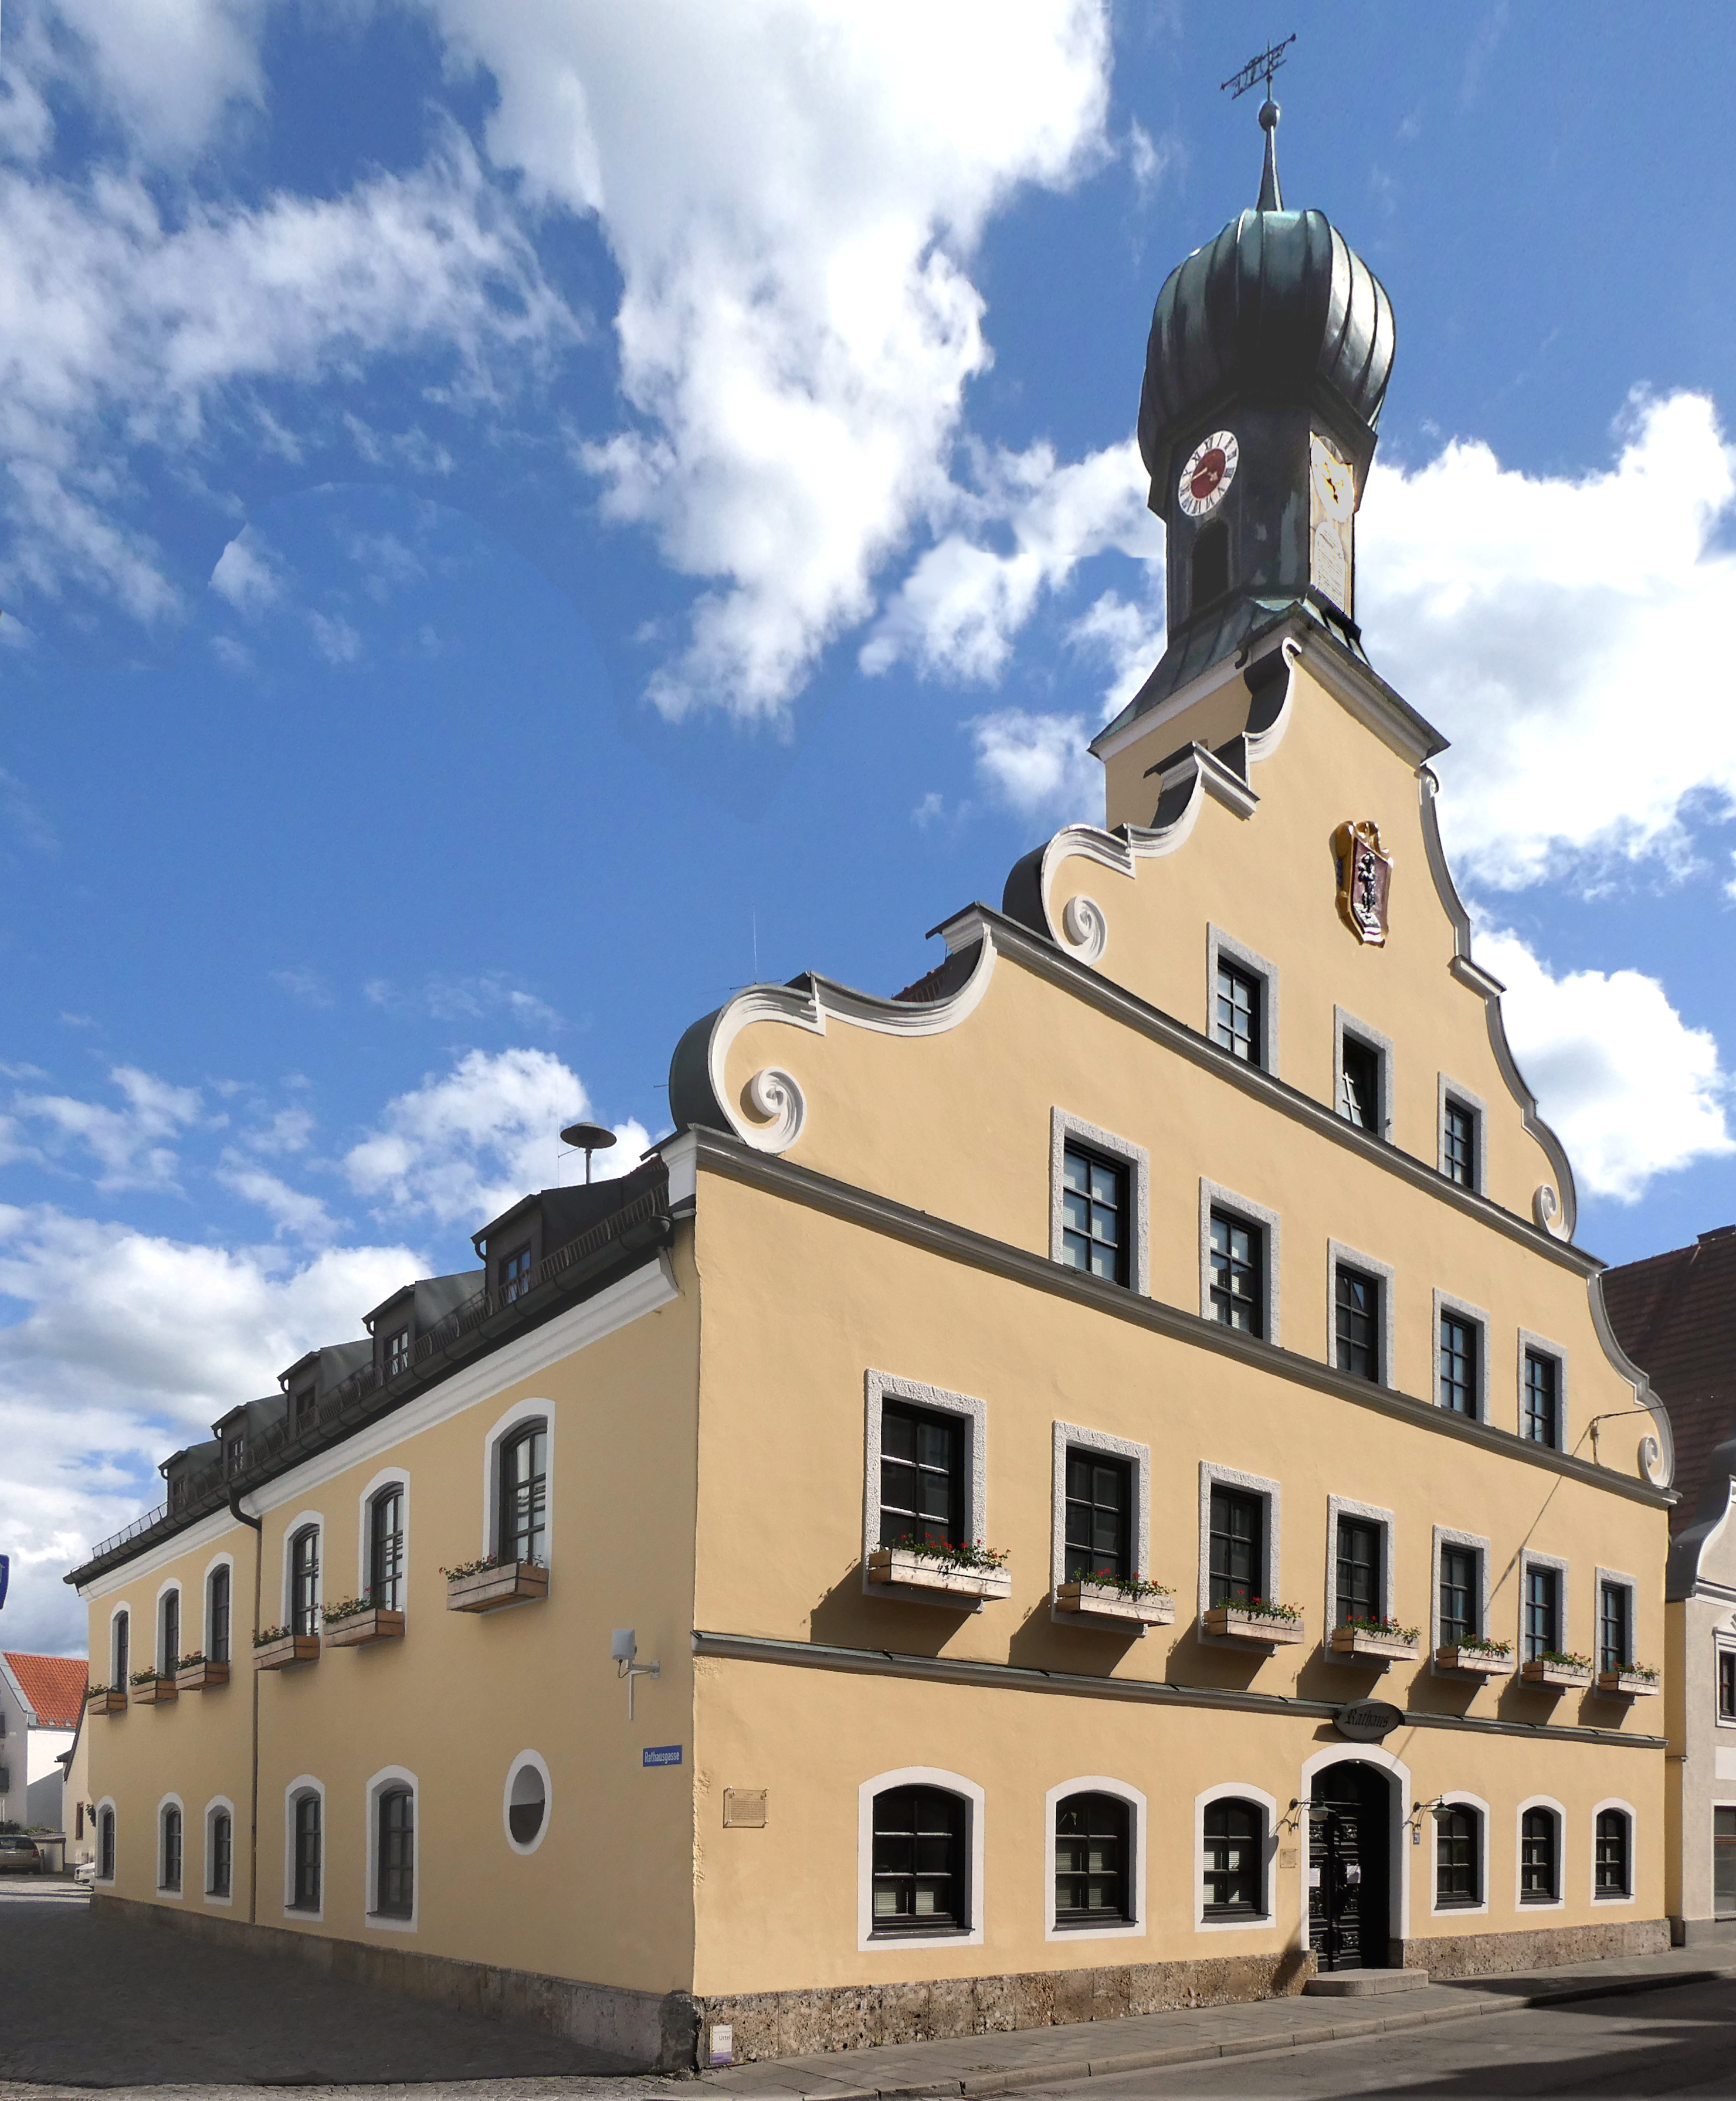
{"x": 105, "y": 1700}
{"x": 1149, "y": 1608}
{"x": 1379, "y": 1642}
{"x": 197, "y": 1674}
{"x": 1271, "y": 1627}
{"x": 1474, "y": 1660}
{"x": 1558, "y": 1672}
{"x": 277, "y": 1649}
{"x": 1632, "y": 1682}
{"x": 367, "y": 1624}
{"x": 486, "y": 1586}
{"x": 148, "y": 1690}
{"x": 955, "y": 1572}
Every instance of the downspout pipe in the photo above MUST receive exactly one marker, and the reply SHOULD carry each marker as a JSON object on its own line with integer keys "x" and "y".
{"x": 258, "y": 1527}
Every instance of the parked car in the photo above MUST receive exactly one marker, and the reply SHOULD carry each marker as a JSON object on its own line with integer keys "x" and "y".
{"x": 18, "y": 1856}
{"x": 85, "y": 1872}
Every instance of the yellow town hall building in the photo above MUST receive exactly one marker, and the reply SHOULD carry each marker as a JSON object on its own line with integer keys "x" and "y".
{"x": 1087, "y": 1467}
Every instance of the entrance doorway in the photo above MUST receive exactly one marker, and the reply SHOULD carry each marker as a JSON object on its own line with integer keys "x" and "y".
{"x": 1349, "y": 1881}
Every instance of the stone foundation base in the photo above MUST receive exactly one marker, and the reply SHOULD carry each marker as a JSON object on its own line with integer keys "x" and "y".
{"x": 1702, "y": 1932}
{"x": 792, "y": 2024}
{"x": 1546, "y": 1947}
{"x": 646, "y": 2031}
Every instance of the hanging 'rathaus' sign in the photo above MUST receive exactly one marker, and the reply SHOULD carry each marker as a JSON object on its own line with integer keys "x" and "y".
{"x": 1365, "y": 879}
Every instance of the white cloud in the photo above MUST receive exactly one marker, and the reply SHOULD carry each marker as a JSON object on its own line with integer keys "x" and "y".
{"x": 792, "y": 189}
{"x": 1633, "y": 1091}
{"x": 133, "y": 1146}
{"x": 292, "y": 1211}
{"x": 249, "y": 573}
{"x": 336, "y": 639}
{"x": 461, "y": 1147}
{"x": 168, "y": 71}
{"x": 1038, "y": 765}
{"x": 1552, "y": 627}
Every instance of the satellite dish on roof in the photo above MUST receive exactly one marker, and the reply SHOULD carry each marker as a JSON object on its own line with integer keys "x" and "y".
{"x": 589, "y": 1138}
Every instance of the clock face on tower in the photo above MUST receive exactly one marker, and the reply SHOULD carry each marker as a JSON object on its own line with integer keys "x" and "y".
{"x": 1205, "y": 479}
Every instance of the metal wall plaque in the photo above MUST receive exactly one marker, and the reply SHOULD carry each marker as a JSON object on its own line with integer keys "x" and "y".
{"x": 744, "y": 1808}
{"x": 1367, "y": 1721}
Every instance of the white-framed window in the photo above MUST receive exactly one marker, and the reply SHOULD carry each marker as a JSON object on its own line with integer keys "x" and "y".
{"x": 1543, "y": 1605}
{"x": 518, "y": 1483}
{"x": 1100, "y": 1505}
{"x": 1461, "y": 1358}
{"x": 1459, "y": 1870}
{"x": 107, "y": 1834}
{"x": 1099, "y": 1197}
{"x": 171, "y": 1846}
{"x": 1462, "y": 1123}
{"x": 1361, "y": 1074}
{"x": 1613, "y": 1603}
{"x": 170, "y": 1645}
{"x": 1235, "y": 1828}
{"x": 1094, "y": 1860}
{"x": 1239, "y": 1262}
{"x": 1459, "y": 1605}
{"x": 219, "y": 1879}
{"x": 120, "y": 1646}
{"x": 219, "y": 1643}
{"x": 526, "y": 1801}
{"x": 304, "y": 1848}
{"x": 1359, "y": 1313}
{"x": 924, "y": 1466}
{"x": 1542, "y": 1391}
{"x": 1539, "y": 1854}
{"x": 1241, "y": 1001}
{"x": 382, "y": 1539}
{"x": 1240, "y": 1538}
{"x": 918, "y": 1861}
{"x": 1613, "y": 1829}
{"x": 1359, "y": 1565}
{"x": 390, "y": 1893}
{"x": 303, "y": 1572}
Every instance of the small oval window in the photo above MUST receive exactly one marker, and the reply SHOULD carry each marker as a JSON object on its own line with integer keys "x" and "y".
{"x": 527, "y": 1804}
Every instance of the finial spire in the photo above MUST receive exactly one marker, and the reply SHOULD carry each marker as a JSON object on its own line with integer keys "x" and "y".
{"x": 1271, "y": 196}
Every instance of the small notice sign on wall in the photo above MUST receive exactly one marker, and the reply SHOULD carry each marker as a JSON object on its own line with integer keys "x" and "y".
{"x": 744, "y": 1808}
{"x": 660, "y": 1754}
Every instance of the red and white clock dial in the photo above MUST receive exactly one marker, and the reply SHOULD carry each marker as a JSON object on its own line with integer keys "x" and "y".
{"x": 1210, "y": 469}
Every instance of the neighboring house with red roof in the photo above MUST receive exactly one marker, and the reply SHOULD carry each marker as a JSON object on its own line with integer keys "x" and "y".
{"x": 41, "y": 1698}
{"x": 1676, "y": 1315}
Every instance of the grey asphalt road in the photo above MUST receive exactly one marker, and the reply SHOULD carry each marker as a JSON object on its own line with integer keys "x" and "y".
{"x": 1678, "y": 2041}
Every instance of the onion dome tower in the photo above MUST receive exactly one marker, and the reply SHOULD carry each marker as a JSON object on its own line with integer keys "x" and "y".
{"x": 1267, "y": 362}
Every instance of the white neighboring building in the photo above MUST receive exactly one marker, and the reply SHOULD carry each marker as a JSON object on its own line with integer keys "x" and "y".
{"x": 41, "y": 1698}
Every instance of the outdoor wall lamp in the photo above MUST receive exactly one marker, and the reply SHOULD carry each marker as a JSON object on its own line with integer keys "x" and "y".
{"x": 623, "y": 1647}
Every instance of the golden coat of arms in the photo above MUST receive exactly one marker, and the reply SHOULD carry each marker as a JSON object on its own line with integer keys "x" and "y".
{"x": 1365, "y": 880}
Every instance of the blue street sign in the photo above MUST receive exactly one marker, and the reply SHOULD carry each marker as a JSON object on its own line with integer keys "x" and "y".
{"x": 661, "y": 1754}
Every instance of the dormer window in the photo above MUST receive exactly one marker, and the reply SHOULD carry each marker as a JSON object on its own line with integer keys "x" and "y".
{"x": 515, "y": 1273}
{"x": 235, "y": 1451}
{"x": 304, "y": 1404}
{"x": 398, "y": 1353}
{"x": 177, "y": 1492}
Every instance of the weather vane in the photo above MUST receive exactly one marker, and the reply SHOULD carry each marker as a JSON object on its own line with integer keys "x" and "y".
{"x": 1256, "y": 69}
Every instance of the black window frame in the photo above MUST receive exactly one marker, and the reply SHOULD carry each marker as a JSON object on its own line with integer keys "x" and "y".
{"x": 1362, "y": 1072}
{"x": 1459, "y": 1857}
{"x": 1540, "y": 1855}
{"x": 1248, "y": 1043}
{"x": 385, "y": 1580}
{"x": 1448, "y": 1625}
{"x": 1218, "y": 1878}
{"x": 120, "y": 1648}
{"x": 1614, "y": 1630}
{"x": 171, "y": 1846}
{"x": 1459, "y": 1383}
{"x": 234, "y": 1452}
{"x": 521, "y": 1504}
{"x": 221, "y": 1877}
{"x": 1353, "y": 1530}
{"x": 1612, "y": 1854}
{"x": 305, "y": 1581}
{"x": 398, "y": 1351}
{"x": 900, "y": 1521}
{"x": 395, "y": 1851}
{"x": 1107, "y": 1817}
{"x": 219, "y": 1593}
{"x": 520, "y": 1825}
{"x": 1540, "y": 1399}
{"x": 1238, "y": 1280}
{"x": 307, "y": 1850}
{"x": 1458, "y": 1135}
{"x": 514, "y": 1279}
{"x": 105, "y": 1844}
{"x": 1079, "y": 1246}
{"x": 306, "y": 1408}
{"x": 1726, "y": 1684}
{"x": 1358, "y": 1358}
{"x": 925, "y": 1803}
{"x": 1087, "y": 1471}
{"x": 169, "y": 1632}
{"x": 1225, "y": 1502}
{"x": 1540, "y": 1617}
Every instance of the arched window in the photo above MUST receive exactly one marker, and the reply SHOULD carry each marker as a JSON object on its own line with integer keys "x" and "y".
{"x": 395, "y": 1853}
{"x": 1458, "y": 1854}
{"x": 1210, "y": 564}
{"x": 305, "y": 1839}
{"x": 219, "y": 1855}
{"x": 168, "y": 1633}
{"x": 1092, "y": 1856}
{"x": 1613, "y": 1875}
{"x": 385, "y": 1584}
{"x": 527, "y": 1803}
{"x": 921, "y": 1879}
{"x": 120, "y": 1640}
{"x": 524, "y": 1493}
{"x": 169, "y": 1857}
{"x": 1235, "y": 1848}
{"x": 105, "y": 1845}
{"x": 217, "y": 1614}
{"x": 1539, "y": 1856}
{"x": 305, "y": 1581}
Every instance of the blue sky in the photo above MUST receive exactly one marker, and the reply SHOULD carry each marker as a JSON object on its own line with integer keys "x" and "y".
{"x": 515, "y": 521}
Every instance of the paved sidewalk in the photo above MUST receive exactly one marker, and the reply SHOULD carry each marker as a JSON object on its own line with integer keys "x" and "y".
{"x": 1033, "y": 2057}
